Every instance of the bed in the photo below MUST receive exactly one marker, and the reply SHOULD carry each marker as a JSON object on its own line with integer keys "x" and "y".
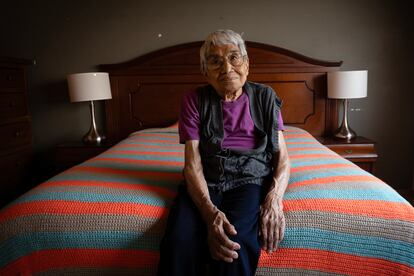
{"x": 106, "y": 216}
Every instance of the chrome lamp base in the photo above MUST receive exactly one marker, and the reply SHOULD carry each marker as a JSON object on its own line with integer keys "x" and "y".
{"x": 92, "y": 137}
{"x": 344, "y": 131}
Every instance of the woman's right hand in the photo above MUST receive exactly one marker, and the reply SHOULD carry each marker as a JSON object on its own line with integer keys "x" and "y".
{"x": 221, "y": 247}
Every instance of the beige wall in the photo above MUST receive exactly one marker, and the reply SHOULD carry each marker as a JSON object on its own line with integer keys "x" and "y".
{"x": 75, "y": 36}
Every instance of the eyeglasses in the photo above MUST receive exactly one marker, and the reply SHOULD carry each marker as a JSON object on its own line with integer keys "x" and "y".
{"x": 216, "y": 62}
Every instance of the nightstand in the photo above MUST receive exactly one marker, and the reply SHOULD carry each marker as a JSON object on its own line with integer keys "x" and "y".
{"x": 360, "y": 150}
{"x": 72, "y": 153}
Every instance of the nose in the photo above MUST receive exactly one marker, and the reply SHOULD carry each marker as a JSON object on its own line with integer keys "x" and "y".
{"x": 226, "y": 67}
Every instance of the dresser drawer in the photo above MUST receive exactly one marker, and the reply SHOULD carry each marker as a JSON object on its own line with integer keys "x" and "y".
{"x": 15, "y": 170}
{"x": 12, "y": 105}
{"x": 11, "y": 80}
{"x": 15, "y": 135}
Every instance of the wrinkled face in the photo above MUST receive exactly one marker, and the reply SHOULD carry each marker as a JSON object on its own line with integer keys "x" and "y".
{"x": 227, "y": 69}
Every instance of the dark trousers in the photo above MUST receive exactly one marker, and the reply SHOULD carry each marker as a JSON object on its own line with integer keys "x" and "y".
{"x": 184, "y": 250}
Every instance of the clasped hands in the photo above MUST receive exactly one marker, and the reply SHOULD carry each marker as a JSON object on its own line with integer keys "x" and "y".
{"x": 271, "y": 230}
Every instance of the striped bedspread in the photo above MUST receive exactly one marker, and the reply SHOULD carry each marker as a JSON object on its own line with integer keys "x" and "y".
{"x": 107, "y": 215}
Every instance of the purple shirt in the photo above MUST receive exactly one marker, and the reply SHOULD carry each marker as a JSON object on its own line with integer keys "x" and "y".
{"x": 239, "y": 130}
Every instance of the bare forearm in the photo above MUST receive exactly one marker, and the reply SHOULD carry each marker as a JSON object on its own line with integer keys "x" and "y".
{"x": 281, "y": 172}
{"x": 219, "y": 227}
{"x": 272, "y": 222}
{"x": 196, "y": 183}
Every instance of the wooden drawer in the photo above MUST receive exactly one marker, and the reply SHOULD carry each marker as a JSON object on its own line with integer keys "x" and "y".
{"x": 11, "y": 80}
{"x": 356, "y": 151}
{"x": 14, "y": 171}
{"x": 15, "y": 135}
{"x": 12, "y": 105}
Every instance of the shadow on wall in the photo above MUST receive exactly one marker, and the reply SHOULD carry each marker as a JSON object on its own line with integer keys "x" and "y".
{"x": 48, "y": 101}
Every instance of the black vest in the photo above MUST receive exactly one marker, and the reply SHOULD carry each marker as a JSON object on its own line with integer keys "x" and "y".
{"x": 226, "y": 169}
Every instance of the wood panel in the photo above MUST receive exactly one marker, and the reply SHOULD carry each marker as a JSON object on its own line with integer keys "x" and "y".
{"x": 147, "y": 91}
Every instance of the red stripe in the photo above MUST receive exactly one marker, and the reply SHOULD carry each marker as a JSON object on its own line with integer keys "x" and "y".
{"x": 44, "y": 260}
{"x": 170, "y": 153}
{"x": 318, "y": 156}
{"x": 319, "y": 167}
{"x": 296, "y": 135}
{"x": 328, "y": 261}
{"x": 173, "y": 176}
{"x": 370, "y": 208}
{"x": 171, "y": 136}
{"x": 333, "y": 179}
{"x": 294, "y": 258}
{"x": 142, "y": 162}
{"x": 138, "y": 139}
{"x": 106, "y": 184}
{"x": 77, "y": 207}
{"x": 302, "y": 142}
{"x": 138, "y": 146}
{"x": 310, "y": 148}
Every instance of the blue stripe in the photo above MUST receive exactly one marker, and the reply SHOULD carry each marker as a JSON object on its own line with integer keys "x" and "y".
{"x": 327, "y": 173}
{"x": 99, "y": 189}
{"x": 131, "y": 166}
{"x": 313, "y": 151}
{"x": 293, "y": 146}
{"x": 310, "y": 139}
{"x": 340, "y": 171}
{"x": 367, "y": 246}
{"x": 94, "y": 197}
{"x": 24, "y": 244}
{"x": 297, "y": 163}
{"x": 106, "y": 177}
{"x": 333, "y": 158}
{"x": 366, "y": 194}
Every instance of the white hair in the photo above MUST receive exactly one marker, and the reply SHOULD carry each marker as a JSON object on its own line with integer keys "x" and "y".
{"x": 218, "y": 38}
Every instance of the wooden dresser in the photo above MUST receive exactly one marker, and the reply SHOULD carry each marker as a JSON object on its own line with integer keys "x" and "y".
{"x": 15, "y": 127}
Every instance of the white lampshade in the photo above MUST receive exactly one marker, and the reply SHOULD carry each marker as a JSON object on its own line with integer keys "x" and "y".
{"x": 89, "y": 87}
{"x": 347, "y": 84}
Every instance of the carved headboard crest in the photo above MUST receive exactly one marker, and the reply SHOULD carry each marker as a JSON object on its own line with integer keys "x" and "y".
{"x": 147, "y": 91}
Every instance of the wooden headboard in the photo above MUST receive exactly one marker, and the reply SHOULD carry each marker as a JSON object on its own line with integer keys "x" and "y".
{"x": 147, "y": 91}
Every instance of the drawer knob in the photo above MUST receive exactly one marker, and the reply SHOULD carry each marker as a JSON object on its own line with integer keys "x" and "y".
{"x": 348, "y": 151}
{"x": 12, "y": 104}
{"x": 18, "y": 133}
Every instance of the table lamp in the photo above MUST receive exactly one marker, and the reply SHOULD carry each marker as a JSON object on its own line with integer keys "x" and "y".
{"x": 347, "y": 85}
{"x": 90, "y": 87}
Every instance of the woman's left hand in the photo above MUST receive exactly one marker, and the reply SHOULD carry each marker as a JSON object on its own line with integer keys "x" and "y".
{"x": 272, "y": 223}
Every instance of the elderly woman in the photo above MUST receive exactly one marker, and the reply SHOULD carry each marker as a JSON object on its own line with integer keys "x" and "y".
{"x": 236, "y": 169}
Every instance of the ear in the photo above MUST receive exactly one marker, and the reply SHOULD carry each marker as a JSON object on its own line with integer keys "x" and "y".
{"x": 247, "y": 66}
{"x": 207, "y": 77}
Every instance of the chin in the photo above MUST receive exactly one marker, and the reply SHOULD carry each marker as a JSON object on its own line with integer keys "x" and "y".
{"x": 229, "y": 90}
{"x": 231, "y": 86}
